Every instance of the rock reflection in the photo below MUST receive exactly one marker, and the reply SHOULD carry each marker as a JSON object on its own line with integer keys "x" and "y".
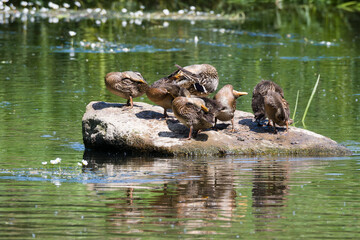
{"x": 188, "y": 194}
{"x": 199, "y": 196}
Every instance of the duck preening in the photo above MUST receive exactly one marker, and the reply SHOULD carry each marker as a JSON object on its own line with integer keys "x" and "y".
{"x": 277, "y": 110}
{"x": 260, "y": 91}
{"x": 163, "y": 92}
{"x": 268, "y": 101}
{"x": 198, "y": 79}
{"x": 127, "y": 85}
{"x": 193, "y": 113}
{"x": 226, "y": 98}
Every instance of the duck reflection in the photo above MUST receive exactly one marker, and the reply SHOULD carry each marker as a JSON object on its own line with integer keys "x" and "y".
{"x": 188, "y": 194}
{"x": 270, "y": 190}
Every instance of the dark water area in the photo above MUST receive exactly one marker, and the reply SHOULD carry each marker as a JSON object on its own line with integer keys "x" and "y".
{"x": 48, "y": 76}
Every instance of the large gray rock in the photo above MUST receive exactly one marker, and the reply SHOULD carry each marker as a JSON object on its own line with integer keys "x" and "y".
{"x": 114, "y": 127}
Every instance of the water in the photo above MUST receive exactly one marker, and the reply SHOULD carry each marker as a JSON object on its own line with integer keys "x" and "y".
{"x": 48, "y": 77}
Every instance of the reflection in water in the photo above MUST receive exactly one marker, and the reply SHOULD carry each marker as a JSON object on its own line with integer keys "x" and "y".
{"x": 189, "y": 194}
{"x": 269, "y": 192}
{"x": 141, "y": 197}
{"x": 193, "y": 194}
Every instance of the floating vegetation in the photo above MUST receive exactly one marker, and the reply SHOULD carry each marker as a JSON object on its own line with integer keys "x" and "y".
{"x": 84, "y": 173}
{"x": 29, "y": 11}
{"x": 103, "y": 46}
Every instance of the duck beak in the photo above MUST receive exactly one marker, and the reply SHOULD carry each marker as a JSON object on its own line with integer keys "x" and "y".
{"x": 204, "y": 108}
{"x": 177, "y": 76}
{"x": 238, "y": 94}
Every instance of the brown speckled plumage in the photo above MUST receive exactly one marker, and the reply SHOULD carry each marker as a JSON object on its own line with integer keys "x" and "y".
{"x": 198, "y": 79}
{"x": 260, "y": 91}
{"x": 277, "y": 109}
{"x": 192, "y": 112}
{"x": 163, "y": 92}
{"x": 127, "y": 85}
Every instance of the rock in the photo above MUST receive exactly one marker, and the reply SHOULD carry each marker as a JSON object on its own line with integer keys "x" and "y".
{"x": 114, "y": 127}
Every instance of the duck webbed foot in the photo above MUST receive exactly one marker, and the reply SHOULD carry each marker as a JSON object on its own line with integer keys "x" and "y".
{"x": 190, "y": 135}
{"x": 232, "y": 126}
{"x": 165, "y": 117}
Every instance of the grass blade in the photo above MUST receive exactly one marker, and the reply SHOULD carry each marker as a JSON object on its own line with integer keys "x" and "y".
{"x": 310, "y": 99}
{"x": 296, "y": 103}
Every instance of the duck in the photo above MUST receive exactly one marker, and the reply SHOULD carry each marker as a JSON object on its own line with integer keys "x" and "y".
{"x": 198, "y": 79}
{"x": 226, "y": 98}
{"x": 277, "y": 110}
{"x": 127, "y": 85}
{"x": 193, "y": 113}
{"x": 162, "y": 93}
{"x": 259, "y": 92}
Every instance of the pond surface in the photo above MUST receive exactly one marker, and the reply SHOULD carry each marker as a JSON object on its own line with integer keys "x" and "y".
{"x": 48, "y": 77}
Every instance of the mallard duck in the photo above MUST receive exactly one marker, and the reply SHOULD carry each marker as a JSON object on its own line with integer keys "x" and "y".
{"x": 199, "y": 79}
{"x": 163, "y": 92}
{"x": 277, "y": 109}
{"x": 127, "y": 85}
{"x": 192, "y": 112}
{"x": 226, "y": 97}
{"x": 260, "y": 91}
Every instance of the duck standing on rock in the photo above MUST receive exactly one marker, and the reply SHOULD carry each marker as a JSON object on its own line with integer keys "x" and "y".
{"x": 126, "y": 84}
{"x": 192, "y": 112}
{"x": 226, "y": 97}
{"x": 162, "y": 92}
{"x": 260, "y": 91}
{"x": 198, "y": 79}
{"x": 277, "y": 110}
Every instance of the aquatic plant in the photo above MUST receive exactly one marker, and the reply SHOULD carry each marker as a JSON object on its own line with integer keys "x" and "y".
{"x": 351, "y": 6}
{"x": 295, "y": 108}
{"x": 310, "y": 99}
{"x": 55, "y": 161}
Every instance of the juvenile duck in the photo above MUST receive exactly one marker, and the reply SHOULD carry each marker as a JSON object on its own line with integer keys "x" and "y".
{"x": 260, "y": 91}
{"x": 277, "y": 110}
{"x": 162, "y": 93}
{"x": 192, "y": 112}
{"x": 199, "y": 79}
{"x": 127, "y": 85}
{"x": 226, "y": 97}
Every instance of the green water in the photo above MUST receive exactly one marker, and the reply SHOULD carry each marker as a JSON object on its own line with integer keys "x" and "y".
{"x": 47, "y": 78}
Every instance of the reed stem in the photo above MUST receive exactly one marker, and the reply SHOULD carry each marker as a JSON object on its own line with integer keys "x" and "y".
{"x": 310, "y": 99}
{"x": 296, "y": 103}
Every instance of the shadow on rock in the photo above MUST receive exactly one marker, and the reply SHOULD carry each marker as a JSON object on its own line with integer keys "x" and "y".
{"x": 255, "y": 127}
{"x": 148, "y": 114}
{"x": 222, "y": 126}
{"x": 177, "y": 130}
{"x": 180, "y": 131}
{"x": 102, "y": 105}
